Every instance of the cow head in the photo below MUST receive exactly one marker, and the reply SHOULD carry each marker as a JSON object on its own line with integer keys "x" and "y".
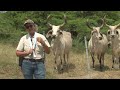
{"x": 55, "y": 30}
{"x": 112, "y": 31}
{"x": 96, "y": 30}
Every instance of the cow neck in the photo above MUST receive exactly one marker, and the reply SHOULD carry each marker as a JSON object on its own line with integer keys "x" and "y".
{"x": 115, "y": 42}
{"x": 57, "y": 40}
{"x": 94, "y": 42}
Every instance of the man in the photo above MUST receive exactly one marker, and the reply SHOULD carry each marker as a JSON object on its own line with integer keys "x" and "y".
{"x": 31, "y": 47}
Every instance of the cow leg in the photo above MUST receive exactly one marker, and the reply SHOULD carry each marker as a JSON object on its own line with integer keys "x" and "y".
{"x": 119, "y": 62}
{"x": 98, "y": 57}
{"x": 102, "y": 57}
{"x": 56, "y": 57}
{"x": 116, "y": 62}
{"x": 100, "y": 61}
{"x": 61, "y": 63}
{"x": 64, "y": 59}
{"x": 67, "y": 58}
{"x": 67, "y": 61}
{"x": 92, "y": 55}
{"x": 103, "y": 60}
{"x": 112, "y": 61}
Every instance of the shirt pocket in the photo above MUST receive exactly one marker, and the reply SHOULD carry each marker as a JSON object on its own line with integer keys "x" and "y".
{"x": 26, "y": 47}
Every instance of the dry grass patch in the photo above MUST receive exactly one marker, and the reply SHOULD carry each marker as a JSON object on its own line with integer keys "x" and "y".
{"x": 9, "y": 68}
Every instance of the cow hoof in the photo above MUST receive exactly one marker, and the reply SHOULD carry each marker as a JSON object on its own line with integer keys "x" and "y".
{"x": 55, "y": 68}
{"x": 116, "y": 67}
{"x": 101, "y": 69}
{"x": 65, "y": 64}
{"x": 112, "y": 67}
{"x": 93, "y": 67}
{"x": 61, "y": 68}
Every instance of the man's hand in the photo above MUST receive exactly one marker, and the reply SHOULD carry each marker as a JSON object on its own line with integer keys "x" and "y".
{"x": 46, "y": 48}
{"x": 24, "y": 53}
{"x": 40, "y": 40}
{"x": 29, "y": 52}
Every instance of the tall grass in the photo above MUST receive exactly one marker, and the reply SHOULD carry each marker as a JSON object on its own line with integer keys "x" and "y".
{"x": 78, "y": 45}
{"x": 9, "y": 68}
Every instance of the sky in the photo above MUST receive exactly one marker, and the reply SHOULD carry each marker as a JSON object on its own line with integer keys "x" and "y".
{"x": 3, "y": 11}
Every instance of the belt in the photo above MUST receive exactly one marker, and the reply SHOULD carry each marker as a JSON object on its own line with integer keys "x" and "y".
{"x": 34, "y": 60}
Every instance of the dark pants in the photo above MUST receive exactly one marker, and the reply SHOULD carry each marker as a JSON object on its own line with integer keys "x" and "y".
{"x": 33, "y": 69}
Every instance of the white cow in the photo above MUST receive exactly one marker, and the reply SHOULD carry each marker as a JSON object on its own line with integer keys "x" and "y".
{"x": 97, "y": 44}
{"x": 113, "y": 34}
{"x": 61, "y": 43}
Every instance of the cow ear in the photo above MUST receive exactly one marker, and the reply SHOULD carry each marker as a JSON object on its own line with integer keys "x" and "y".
{"x": 49, "y": 27}
{"x": 49, "y": 34}
{"x": 118, "y": 27}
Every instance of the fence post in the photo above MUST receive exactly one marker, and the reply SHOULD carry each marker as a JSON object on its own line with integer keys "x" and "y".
{"x": 87, "y": 58}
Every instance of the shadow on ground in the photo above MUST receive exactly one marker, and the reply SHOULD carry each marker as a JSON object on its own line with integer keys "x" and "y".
{"x": 66, "y": 68}
{"x": 105, "y": 68}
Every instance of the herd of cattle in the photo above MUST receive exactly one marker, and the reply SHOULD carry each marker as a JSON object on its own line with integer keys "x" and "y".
{"x": 61, "y": 43}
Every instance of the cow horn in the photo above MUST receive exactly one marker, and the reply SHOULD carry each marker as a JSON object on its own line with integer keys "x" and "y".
{"x": 117, "y": 25}
{"x": 65, "y": 21}
{"x": 49, "y": 16}
{"x": 88, "y": 24}
{"x": 102, "y": 23}
{"x": 107, "y": 24}
{"x": 105, "y": 21}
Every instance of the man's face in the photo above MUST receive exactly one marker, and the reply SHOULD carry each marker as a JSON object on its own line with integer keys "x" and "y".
{"x": 30, "y": 28}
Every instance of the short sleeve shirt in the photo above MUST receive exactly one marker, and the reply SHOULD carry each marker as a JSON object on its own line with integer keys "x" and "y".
{"x": 24, "y": 45}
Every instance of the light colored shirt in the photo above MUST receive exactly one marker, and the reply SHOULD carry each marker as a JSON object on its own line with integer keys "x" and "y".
{"x": 24, "y": 45}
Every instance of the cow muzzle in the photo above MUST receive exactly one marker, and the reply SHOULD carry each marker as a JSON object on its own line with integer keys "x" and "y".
{"x": 100, "y": 38}
{"x": 53, "y": 36}
{"x": 112, "y": 36}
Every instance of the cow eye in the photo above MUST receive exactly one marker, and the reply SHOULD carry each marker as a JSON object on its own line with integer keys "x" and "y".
{"x": 58, "y": 31}
{"x": 117, "y": 32}
{"x": 92, "y": 33}
{"x": 50, "y": 32}
{"x": 108, "y": 32}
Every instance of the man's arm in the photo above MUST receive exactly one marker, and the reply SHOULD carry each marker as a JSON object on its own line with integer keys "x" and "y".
{"x": 23, "y": 53}
{"x": 46, "y": 48}
{"x": 19, "y": 51}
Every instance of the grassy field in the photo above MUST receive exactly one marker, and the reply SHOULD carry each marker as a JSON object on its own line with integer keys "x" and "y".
{"x": 9, "y": 68}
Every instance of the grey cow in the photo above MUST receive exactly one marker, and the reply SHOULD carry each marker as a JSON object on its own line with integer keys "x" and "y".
{"x": 97, "y": 44}
{"x": 113, "y": 35}
{"x": 61, "y": 43}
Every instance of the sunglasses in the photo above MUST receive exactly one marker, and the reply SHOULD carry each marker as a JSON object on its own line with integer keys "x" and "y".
{"x": 27, "y": 26}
